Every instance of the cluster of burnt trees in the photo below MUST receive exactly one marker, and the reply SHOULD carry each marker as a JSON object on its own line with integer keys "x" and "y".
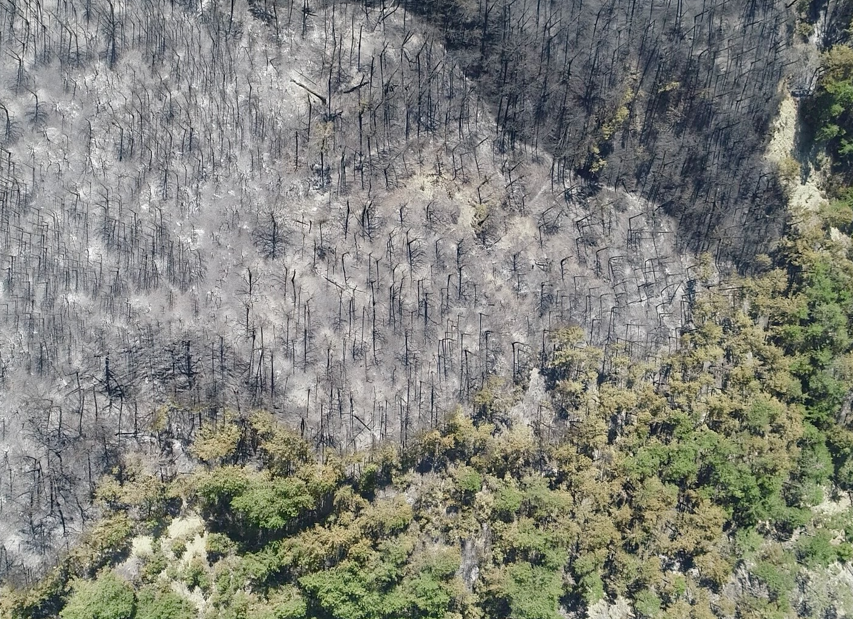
{"x": 315, "y": 209}
{"x": 670, "y": 98}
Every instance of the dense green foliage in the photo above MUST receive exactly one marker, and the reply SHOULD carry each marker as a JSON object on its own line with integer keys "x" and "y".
{"x": 108, "y": 597}
{"x": 160, "y": 603}
{"x": 831, "y": 111}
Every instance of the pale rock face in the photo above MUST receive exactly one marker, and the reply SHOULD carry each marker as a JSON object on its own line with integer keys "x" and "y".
{"x": 620, "y": 609}
{"x": 142, "y": 546}
{"x": 839, "y": 237}
{"x": 530, "y": 406}
{"x": 473, "y": 552}
{"x": 832, "y": 507}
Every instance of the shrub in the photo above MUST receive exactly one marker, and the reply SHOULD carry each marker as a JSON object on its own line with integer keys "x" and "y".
{"x": 195, "y": 575}
{"x": 816, "y": 549}
{"x": 270, "y": 505}
{"x": 108, "y": 597}
{"x": 531, "y": 592}
{"x": 161, "y": 603}
{"x": 218, "y": 545}
{"x": 508, "y": 501}
{"x": 283, "y": 603}
{"x": 468, "y": 480}
{"x": 647, "y": 603}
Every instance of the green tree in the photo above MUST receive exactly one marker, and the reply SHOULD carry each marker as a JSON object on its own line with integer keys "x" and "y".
{"x": 831, "y": 110}
{"x": 647, "y": 603}
{"x": 271, "y": 504}
{"x": 107, "y": 597}
{"x": 525, "y": 591}
{"x": 157, "y": 602}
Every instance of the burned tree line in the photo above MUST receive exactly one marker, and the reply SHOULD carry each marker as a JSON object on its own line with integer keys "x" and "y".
{"x": 348, "y": 214}
{"x": 670, "y": 99}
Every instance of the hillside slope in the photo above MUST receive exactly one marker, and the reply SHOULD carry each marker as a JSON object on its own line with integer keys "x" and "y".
{"x": 350, "y": 215}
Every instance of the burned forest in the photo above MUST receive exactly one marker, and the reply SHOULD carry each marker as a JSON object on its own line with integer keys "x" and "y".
{"x": 353, "y": 214}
